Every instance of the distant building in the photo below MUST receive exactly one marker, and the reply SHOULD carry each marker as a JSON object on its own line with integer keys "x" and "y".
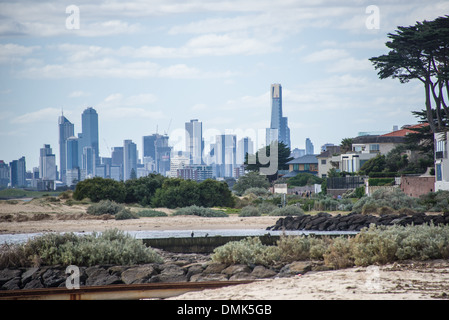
{"x": 327, "y": 160}
{"x": 117, "y": 163}
{"x": 225, "y": 155}
{"x": 441, "y": 161}
{"x": 4, "y": 174}
{"x": 194, "y": 141}
{"x": 18, "y": 173}
{"x": 89, "y": 136}
{"x": 244, "y": 146}
{"x": 309, "y": 147}
{"x": 66, "y": 130}
{"x": 195, "y": 172}
{"x": 304, "y": 164}
{"x": 278, "y": 129}
{"x": 296, "y": 153}
{"x": 178, "y": 161}
{"x": 47, "y": 164}
{"x": 129, "y": 159}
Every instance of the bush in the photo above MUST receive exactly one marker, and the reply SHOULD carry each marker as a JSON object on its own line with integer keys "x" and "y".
{"x": 249, "y": 211}
{"x": 256, "y": 191}
{"x": 109, "y": 247}
{"x": 287, "y": 211}
{"x": 125, "y": 214}
{"x": 396, "y": 199}
{"x": 339, "y": 254}
{"x": 200, "y": 211}
{"x": 151, "y": 213}
{"x": 105, "y": 207}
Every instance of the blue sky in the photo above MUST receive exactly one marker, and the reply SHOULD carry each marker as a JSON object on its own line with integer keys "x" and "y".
{"x": 154, "y": 65}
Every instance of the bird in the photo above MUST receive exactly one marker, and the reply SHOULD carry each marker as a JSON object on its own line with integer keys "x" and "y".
{"x": 192, "y": 234}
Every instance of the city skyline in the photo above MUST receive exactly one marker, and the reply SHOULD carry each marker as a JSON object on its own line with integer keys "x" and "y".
{"x": 150, "y": 67}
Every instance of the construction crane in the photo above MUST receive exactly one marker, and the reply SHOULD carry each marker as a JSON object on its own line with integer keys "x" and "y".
{"x": 169, "y": 124}
{"x": 109, "y": 150}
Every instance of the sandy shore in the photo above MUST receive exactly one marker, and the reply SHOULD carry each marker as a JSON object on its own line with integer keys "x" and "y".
{"x": 405, "y": 281}
{"x": 50, "y": 217}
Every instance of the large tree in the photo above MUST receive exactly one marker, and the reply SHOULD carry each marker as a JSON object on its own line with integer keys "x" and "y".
{"x": 421, "y": 52}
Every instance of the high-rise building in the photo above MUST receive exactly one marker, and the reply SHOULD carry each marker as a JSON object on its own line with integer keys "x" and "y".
{"x": 47, "y": 164}
{"x": 66, "y": 130}
{"x": 117, "y": 163}
{"x": 18, "y": 173}
{"x": 178, "y": 161}
{"x": 309, "y": 147}
{"x": 156, "y": 146}
{"x": 245, "y": 145}
{"x": 129, "y": 159}
{"x": 194, "y": 141}
{"x": 4, "y": 174}
{"x": 89, "y": 135}
{"x": 278, "y": 129}
{"x": 225, "y": 155}
{"x": 72, "y": 153}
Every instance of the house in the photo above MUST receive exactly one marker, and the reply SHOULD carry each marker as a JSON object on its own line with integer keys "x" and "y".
{"x": 327, "y": 160}
{"x": 441, "y": 161}
{"x": 304, "y": 164}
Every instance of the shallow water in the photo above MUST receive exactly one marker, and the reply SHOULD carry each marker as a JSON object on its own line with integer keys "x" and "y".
{"x": 157, "y": 234}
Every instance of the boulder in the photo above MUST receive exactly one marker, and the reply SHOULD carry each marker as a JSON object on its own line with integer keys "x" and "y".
{"x": 208, "y": 277}
{"x": 170, "y": 273}
{"x": 294, "y": 268}
{"x": 242, "y": 276}
{"x": 194, "y": 269}
{"x": 215, "y": 267}
{"x": 236, "y": 268}
{"x": 13, "y": 284}
{"x": 261, "y": 272}
{"x": 138, "y": 274}
{"x": 53, "y": 278}
{"x": 34, "y": 284}
{"x": 8, "y": 274}
{"x": 97, "y": 276}
{"x": 28, "y": 275}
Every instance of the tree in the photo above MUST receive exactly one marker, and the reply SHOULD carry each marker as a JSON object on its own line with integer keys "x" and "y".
{"x": 283, "y": 156}
{"x": 346, "y": 145}
{"x": 143, "y": 189}
{"x": 97, "y": 189}
{"x": 376, "y": 164}
{"x": 302, "y": 179}
{"x": 252, "y": 179}
{"x": 421, "y": 52}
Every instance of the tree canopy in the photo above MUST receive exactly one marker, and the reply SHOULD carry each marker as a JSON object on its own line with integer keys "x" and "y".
{"x": 421, "y": 52}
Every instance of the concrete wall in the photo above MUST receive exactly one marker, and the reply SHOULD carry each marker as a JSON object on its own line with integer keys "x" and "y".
{"x": 415, "y": 186}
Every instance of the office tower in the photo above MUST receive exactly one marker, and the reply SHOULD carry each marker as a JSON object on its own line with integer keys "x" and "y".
{"x": 88, "y": 161}
{"x": 245, "y": 145}
{"x": 72, "y": 153}
{"x": 129, "y": 159}
{"x": 47, "y": 164}
{"x": 18, "y": 173}
{"x": 4, "y": 174}
{"x": 156, "y": 147}
{"x": 194, "y": 141}
{"x": 66, "y": 130}
{"x": 225, "y": 155}
{"x": 89, "y": 135}
{"x": 296, "y": 153}
{"x": 178, "y": 161}
{"x": 309, "y": 146}
{"x": 279, "y": 129}
{"x": 117, "y": 163}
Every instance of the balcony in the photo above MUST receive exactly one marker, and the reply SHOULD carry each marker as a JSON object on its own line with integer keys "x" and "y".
{"x": 440, "y": 155}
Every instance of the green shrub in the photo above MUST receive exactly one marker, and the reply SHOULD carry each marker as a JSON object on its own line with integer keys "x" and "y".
{"x": 105, "y": 207}
{"x": 249, "y": 211}
{"x": 256, "y": 191}
{"x": 125, "y": 214}
{"x": 151, "y": 213}
{"x": 109, "y": 247}
{"x": 339, "y": 254}
{"x": 396, "y": 199}
{"x": 287, "y": 211}
{"x": 200, "y": 211}
{"x": 248, "y": 251}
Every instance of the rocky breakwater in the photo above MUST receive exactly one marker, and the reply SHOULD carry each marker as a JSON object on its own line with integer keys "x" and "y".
{"x": 176, "y": 268}
{"x": 324, "y": 221}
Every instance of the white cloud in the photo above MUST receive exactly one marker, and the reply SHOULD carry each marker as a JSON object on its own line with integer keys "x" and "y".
{"x": 43, "y": 115}
{"x": 326, "y": 55}
{"x": 78, "y": 94}
{"x": 11, "y": 52}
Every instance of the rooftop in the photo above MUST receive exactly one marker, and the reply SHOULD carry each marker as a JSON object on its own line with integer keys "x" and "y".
{"x": 307, "y": 159}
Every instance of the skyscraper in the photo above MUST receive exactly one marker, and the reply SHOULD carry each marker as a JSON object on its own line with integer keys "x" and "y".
{"x": 225, "y": 155}
{"x": 278, "y": 129}
{"x": 245, "y": 145}
{"x": 18, "y": 173}
{"x": 66, "y": 130}
{"x": 129, "y": 159}
{"x": 156, "y": 147}
{"x": 194, "y": 141}
{"x": 47, "y": 164}
{"x": 89, "y": 135}
{"x": 309, "y": 146}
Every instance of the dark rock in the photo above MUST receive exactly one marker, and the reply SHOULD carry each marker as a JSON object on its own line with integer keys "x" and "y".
{"x": 215, "y": 268}
{"x": 193, "y": 270}
{"x": 53, "y": 278}
{"x": 28, "y": 275}
{"x": 208, "y": 277}
{"x": 236, "y": 268}
{"x": 139, "y": 274}
{"x": 34, "y": 284}
{"x": 294, "y": 268}
{"x": 170, "y": 273}
{"x": 13, "y": 284}
{"x": 261, "y": 272}
{"x": 8, "y": 274}
{"x": 242, "y": 276}
{"x": 97, "y": 276}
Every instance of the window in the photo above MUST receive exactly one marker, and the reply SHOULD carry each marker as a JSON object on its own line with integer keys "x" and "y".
{"x": 438, "y": 173}
{"x": 323, "y": 161}
{"x": 441, "y": 146}
{"x": 374, "y": 147}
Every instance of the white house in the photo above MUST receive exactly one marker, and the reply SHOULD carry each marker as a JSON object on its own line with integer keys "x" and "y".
{"x": 441, "y": 162}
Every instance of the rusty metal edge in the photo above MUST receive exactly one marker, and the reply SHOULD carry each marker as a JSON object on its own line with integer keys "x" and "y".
{"x": 118, "y": 291}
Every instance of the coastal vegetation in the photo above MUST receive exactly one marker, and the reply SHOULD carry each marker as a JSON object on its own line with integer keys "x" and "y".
{"x": 373, "y": 245}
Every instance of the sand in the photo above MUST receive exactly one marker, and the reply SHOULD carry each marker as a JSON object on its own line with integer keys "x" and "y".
{"x": 405, "y": 281}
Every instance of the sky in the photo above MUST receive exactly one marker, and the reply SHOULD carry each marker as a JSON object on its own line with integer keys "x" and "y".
{"x": 150, "y": 66}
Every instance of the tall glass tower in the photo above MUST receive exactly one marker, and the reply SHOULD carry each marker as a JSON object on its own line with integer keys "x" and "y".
{"x": 66, "y": 130}
{"x": 194, "y": 141}
{"x": 278, "y": 129}
{"x": 89, "y": 136}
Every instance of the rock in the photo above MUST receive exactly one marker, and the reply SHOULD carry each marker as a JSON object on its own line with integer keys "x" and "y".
{"x": 28, "y": 275}
{"x": 53, "y": 278}
{"x": 13, "y": 284}
{"x": 242, "y": 276}
{"x": 138, "y": 274}
{"x": 170, "y": 273}
{"x": 236, "y": 268}
{"x": 34, "y": 284}
{"x": 97, "y": 276}
{"x": 208, "y": 277}
{"x": 294, "y": 268}
{"x": 194, "y": 269}
{"x": 261, "y": 272}
{"x": 215, "y": 267}
{"x": 8, "y": 274}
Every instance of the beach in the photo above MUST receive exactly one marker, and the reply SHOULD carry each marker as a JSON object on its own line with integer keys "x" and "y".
{"x": 406, "y": 280}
